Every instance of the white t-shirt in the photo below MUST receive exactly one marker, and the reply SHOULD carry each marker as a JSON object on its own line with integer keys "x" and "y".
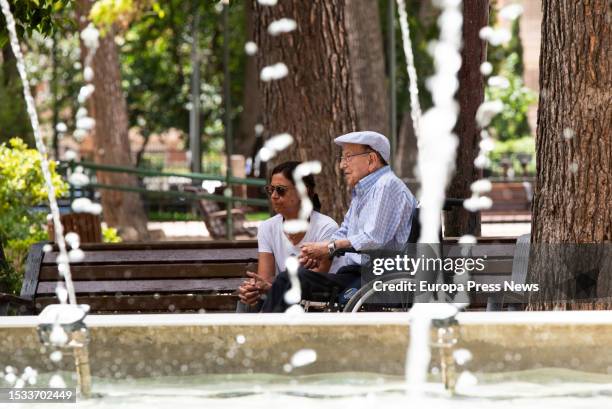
{"x": 272, "y": 239}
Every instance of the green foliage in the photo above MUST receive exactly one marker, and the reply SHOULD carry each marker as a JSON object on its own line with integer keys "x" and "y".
{"x": 21, "y": 188}
{"x": 36, "y": 19}
{"x": 156, "y": 67}
{"x": 110, "y": 235}
{"x": 512, "y": 122}
{"x": 43, "y": 16}
{"x": 173, "y": 217}
{"x": 14, "y": 119}
{"x": 497, "y": 55}
{"x": 511, "y": 149}
{"x": 422, "y": 17}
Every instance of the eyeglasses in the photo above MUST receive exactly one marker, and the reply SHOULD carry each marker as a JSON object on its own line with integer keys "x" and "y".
{"x": 347, "y": 158}
{"x": 280, "y": 190}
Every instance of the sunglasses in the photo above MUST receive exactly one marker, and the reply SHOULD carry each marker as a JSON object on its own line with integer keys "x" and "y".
{"x": 280, "y": 190}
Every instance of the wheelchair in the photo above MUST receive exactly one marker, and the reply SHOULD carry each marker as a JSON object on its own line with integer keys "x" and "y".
{"x": 363, "y": 296}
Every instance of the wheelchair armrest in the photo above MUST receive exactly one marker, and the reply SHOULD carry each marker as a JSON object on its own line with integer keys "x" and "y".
{"x": 343, "y": 251}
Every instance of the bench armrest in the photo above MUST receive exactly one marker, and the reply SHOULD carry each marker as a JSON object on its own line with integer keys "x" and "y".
{"x": 15, "y": 299}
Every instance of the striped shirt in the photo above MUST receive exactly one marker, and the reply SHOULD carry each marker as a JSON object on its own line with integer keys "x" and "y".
{"x": 380, "y": 215}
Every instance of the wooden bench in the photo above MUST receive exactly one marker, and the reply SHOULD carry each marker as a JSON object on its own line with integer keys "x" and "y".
{"x": 215, "y": 218}
{"x": 499, "y": 254}
{"x": 500, "y": 264}
{"x": 145, "y": 277}
{"x": 87, "y": 226}
{"x": 511, "y": 203}
{"x": 9, "y": 302}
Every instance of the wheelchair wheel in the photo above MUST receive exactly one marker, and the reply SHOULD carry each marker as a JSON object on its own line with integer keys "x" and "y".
{"x": 367, "y": 292}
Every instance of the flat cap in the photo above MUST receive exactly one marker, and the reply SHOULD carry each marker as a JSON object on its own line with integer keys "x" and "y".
{"x": 376, "y": 141}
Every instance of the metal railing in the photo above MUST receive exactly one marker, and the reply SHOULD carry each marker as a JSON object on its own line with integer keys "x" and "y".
{"x": 228, "y": 199}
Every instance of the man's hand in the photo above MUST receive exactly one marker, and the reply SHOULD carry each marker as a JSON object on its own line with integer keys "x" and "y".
{"x": 315, "y": 251}
{"x": 309, "y": 263}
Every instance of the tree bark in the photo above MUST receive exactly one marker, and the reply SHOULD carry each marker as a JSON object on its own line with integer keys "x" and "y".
{"x": 367, "y": 65}
{"x": 318, "y": 100}
{"x": 470, "y": 95}
{"x": 251, "y": 100}
{"x": 123, "y": 210}
{"x": 574, "y": 175}
{"x": 407, "y": 149}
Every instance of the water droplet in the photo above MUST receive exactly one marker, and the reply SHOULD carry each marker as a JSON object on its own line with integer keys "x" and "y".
{"x": 90, "y": 36}
{"x": 295, "y": 226}
{"x": 481, "y": 186}
{"x": 482, "y": 162}
{"x": 284, "y": 25}
{"x": 573, "y": 167}
{"x": 73, "y": 240}
{"x": 568, "y": 133}
{"x": 58, "y": 336}
{"x": 274, "y": 72}
{"x": 303, "y": 357}
{"x": 56, "y": 356}
{"x": 486, "y": 68}
{"x": 57, "y": 381}
{"x": 487, "y": 111}
{"x": 76, "y": 255}
{"x": 250, "y": 48}
{"x": 511, "y": 12}
{"x": 498, "y": 81}
{"x": 62, "y": 293}
{"x": 467, "y": 239}
{"x": 462, "y": 356}
{"x": 70, "y": 155}
{"x": 61, "y": 127}
{"x": 88, "y": 74}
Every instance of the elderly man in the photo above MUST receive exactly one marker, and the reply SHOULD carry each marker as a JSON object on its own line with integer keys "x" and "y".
{"x": 380, "y": 216}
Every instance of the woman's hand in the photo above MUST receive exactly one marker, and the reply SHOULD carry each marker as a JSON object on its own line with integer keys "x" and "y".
{"x": 248, "y": 292}
{"x": 261, "y": 284}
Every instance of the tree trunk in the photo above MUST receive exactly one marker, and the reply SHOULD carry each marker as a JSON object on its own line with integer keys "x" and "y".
{"x": 407, "y": 149}
{"x": 14, "y": 119}
{"x": 470, "y": 95}
{"x": 367, "y": 65}
{"x": 251, "y": 100}
{"x": 123, "y": 210}
{"x": 318, "y": 100}
{"x": 574, "y": 175}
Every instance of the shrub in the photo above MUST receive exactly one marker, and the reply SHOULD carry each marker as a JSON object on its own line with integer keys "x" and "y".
{"x": 512, "y": 122}
{"x": 22, "y": 187}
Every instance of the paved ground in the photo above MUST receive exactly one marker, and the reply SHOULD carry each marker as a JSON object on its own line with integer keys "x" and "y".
{"x": 197, "y": 230}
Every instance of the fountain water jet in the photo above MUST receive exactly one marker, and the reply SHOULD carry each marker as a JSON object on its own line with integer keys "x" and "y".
{"x": 80, "y": 352}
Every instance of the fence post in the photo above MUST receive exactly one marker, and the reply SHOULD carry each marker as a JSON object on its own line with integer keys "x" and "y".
{"x": 228, "y": 124}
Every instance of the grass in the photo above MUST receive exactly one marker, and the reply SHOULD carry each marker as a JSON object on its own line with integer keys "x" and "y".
{"x": 188, "y": 217}
{"x": 256, "y": 217}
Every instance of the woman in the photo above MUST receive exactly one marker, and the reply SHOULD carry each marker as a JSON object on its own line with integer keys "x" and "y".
{"x": 275, "y": 246}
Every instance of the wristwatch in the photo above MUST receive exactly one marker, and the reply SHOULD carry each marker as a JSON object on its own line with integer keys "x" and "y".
{"x": 331, "y": 247}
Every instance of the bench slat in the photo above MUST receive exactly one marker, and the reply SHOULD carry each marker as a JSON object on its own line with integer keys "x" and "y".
{"x": 151, "y": 271}
{"x": 150, "y": 303}
{"x": 143, "y": 286}
{"x": 161, "y": 256}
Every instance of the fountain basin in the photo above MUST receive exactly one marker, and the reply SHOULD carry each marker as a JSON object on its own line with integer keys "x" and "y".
{"x": 140, "y": 346}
